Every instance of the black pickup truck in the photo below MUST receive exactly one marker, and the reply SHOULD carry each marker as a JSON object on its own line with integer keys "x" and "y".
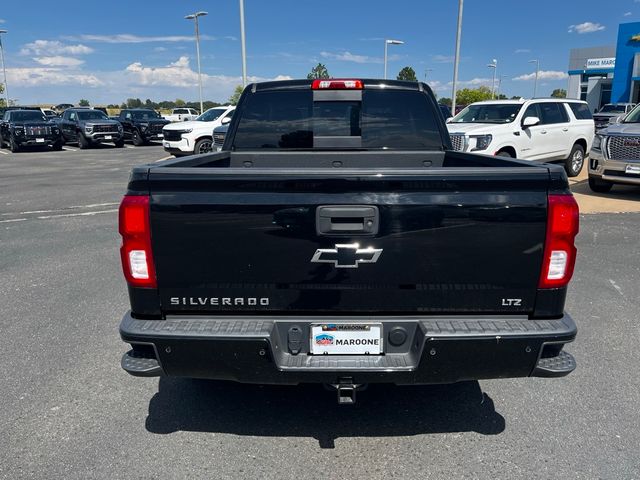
{"x": 337, "y": 239}
{"x": 28, "y": 127}
{"x": 142, "y": 125}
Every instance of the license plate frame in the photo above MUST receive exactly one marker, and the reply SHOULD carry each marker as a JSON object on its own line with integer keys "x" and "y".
{"x": 632, "y": 169}
{"x": 39, "y": 140}
{"x": 108, "y": 137}
{"x": 353, "y": 338}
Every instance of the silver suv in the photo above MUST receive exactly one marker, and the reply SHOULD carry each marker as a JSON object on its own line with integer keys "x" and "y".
{"x": 615, "y": 154}
{"x": 609, "y": 114}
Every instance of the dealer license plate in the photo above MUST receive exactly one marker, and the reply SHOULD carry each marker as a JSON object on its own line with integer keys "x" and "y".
{"x": 346, "y": 339}
{"x": 107, "y": 137}
{"x": 632, "y": 169}
{"x": 39, "y": 140}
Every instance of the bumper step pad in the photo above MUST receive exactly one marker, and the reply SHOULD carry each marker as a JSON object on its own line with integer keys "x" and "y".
{"x": 139, "y": 365}
{"x": 558, "y": 366}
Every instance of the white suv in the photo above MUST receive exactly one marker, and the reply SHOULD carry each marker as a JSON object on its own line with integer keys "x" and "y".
{"x": 544, "y": 130}
{"x": 188, "y": 138}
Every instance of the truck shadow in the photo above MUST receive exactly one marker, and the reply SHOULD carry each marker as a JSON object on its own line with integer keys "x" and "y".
{"x": 311, "y": 411}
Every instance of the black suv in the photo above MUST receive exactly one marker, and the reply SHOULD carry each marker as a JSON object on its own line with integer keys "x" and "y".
{"x": 141, "y": 125}
{"x": 87, "y": 127}
{"x": 28, "y": 127}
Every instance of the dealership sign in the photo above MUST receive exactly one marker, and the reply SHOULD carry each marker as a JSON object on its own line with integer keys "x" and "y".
{"x": 601, "y": 63}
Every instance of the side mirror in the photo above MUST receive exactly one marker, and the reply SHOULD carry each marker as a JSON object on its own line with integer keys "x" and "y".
{"x": 530, "y": 122}
{"x": 225, "y": 120}
{"x": 618, "y": 119}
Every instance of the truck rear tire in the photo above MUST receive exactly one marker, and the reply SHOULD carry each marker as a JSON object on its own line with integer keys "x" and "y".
{"x": 599, "y": 186}
{"x": 575, "y": 161}
{"x": 14, "y": 146}
{"x": 119, "y": 143}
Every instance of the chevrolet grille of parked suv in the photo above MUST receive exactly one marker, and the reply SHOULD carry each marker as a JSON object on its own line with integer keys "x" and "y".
{"x": 22, "y": 127}
{"x": 615, "y": 156}
{"x": 88, "y": 127}
{"x": 142, "y": 125}
{"x": 542, "y": 130}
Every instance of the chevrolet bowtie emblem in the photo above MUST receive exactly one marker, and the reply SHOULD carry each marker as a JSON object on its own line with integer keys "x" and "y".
{"x": 347, "y": 255}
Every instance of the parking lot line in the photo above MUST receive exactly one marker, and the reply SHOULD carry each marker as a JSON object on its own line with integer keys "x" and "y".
{"x": 4, "y": 153}
{"x": 70, "y": 149}
{"x": 164, "y": 158}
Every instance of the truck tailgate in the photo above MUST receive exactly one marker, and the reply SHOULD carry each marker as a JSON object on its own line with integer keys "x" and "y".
{"x": 448, "y": 241}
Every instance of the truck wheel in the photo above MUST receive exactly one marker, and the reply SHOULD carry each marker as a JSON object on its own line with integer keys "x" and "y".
{"x": 57, "y": 146}
{"x": 137, "y": 139}
{"x": 575, "y": 161}
{"x": 204, "y": 145}
{"x": 599, "y": 186}
{"x": 1, "y": 142}
{"x": 504, "y": 153}
{"x": 14, "y": 146}
{"x": 119, "y": 143}
{"x": 82, "y": 141}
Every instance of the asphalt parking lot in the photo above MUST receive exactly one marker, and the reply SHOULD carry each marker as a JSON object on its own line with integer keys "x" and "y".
{"x": 69, "y": 411}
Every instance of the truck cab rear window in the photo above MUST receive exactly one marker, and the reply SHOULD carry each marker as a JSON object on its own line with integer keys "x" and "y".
{"x": 384, "y": 120}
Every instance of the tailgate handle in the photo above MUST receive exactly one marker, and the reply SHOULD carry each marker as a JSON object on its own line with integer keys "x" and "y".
{"x": 347, "y": 220}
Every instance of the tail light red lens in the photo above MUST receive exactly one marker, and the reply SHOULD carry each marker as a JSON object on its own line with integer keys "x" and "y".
{"x": 559, "y": 248}
{"x": 337, "y": 84}
{"x": 136, "y": 254}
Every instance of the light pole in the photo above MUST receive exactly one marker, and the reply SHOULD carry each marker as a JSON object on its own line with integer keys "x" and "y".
{"x": 244, "y": 45}
{"x": 499, "y": 89}
{"x": 535, "y": 83}
{"x": 456, "y": 61}
{"x": 426, "y": 71}
{"x": 194, "y": 16}
{"x": 494, "y": 65}
{"x": 386, "y": 43}
{"x": 4, "y": 70}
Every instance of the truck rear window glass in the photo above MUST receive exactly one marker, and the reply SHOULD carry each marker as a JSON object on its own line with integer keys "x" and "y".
{"x": 384, "y": 120}
{"x": 581, "y": 111}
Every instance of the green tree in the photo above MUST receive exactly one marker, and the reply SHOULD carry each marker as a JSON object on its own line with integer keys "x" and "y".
{"x": 83, "y": 102}
{"x": 179, "y": 102}
{"x": 467, "y": 96}
{"x": 233, "y": 99}
{"x": 319, "y": 71}
{"x": 559, "y": 93}
{"x": 408, "y": 74}
{"x": 445, "y": 101}
{"x": 134, "y": 103}
{"x": 2, "y": 101}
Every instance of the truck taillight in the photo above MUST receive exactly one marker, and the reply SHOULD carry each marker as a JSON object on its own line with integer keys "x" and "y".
{"x": 559, "y": 248}
{"x": 134, "y": 226}
{"x": 337, "y": 84}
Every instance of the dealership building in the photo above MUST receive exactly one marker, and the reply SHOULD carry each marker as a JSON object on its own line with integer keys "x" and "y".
{"x": 609, "y": 74}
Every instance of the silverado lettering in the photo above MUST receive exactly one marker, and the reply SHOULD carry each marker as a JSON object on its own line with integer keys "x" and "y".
{"x": 215, "y": 301}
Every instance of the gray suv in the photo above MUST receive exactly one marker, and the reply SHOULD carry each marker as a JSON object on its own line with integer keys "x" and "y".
{"x": 88, "y": 127}
{"x": 615, "y": 154}
{"x": 609, "y": 113}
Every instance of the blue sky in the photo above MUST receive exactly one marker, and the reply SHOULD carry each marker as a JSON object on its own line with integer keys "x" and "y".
{"x": 146, "y": 49}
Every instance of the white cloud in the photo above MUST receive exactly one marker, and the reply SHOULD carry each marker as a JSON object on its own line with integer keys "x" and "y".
{"x": 54, "y": 47}
{"x": 45, "y": 76}
{"x": 522, "y": 50}
{"x": 586, "y": 27}
{"x": 59, "y": 61}
{"x": 443, "y": 58}
{"x": 627, "y": 14}
{"x": 130, "y": 38}
{"x": 475, "y": 82}
{"x": 543, "y": 75}
{"x": 350, "y": 57}
{"x": 160, "y": 49}
{"x": 2, "y": 20}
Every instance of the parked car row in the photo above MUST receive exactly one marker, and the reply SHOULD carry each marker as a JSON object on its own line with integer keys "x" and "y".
{"x": 24, "y": 126}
